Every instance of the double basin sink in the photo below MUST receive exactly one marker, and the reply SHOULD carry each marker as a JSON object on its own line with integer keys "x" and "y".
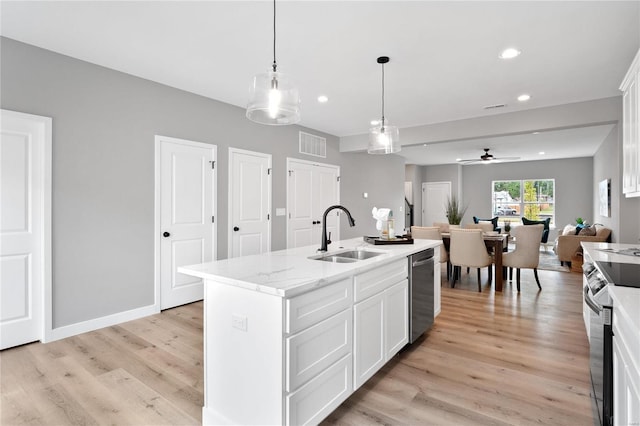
{"x": 347, "y": 256}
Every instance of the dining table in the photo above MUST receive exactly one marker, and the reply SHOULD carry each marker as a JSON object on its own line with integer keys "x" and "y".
{"x": 498, "y": 243}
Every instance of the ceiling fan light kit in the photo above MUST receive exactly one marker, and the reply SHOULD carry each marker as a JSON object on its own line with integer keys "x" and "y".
{"x": 383, "y": 139}
{"x": 274, "y": 98}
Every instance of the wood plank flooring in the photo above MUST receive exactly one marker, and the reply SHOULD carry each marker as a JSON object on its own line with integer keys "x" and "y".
{"x": 489, "y": 359}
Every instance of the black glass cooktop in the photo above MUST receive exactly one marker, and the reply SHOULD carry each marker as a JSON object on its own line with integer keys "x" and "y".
{"x": 622, "y": 274}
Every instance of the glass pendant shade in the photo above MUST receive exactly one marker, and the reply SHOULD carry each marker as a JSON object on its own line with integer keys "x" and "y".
{"x": 384, "y": 140}
{"x": 273, "y": 100}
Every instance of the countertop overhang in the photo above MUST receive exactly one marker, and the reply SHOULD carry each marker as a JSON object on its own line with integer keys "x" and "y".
{"x": 286, "y": 273}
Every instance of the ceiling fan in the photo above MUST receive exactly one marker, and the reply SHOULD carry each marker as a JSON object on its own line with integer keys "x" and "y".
{"x": 487, "y": 158}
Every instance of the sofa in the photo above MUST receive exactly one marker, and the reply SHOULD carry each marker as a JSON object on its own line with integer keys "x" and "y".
{"x": 568, "y": 244}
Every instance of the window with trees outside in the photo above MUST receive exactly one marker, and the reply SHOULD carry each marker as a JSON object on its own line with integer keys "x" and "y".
{"x": 514, "y": 199}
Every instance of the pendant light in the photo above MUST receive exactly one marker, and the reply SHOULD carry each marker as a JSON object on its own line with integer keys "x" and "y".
{"x": 274, "y": 99}
{"x": 383, "y": 139}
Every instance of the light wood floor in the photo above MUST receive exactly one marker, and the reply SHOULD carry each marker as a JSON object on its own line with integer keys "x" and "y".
{"x": 489, "y": 359}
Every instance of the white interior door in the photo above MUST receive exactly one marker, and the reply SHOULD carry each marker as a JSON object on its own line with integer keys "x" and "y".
{"x": 249, "y": 202}
{"x": 301, "y": 219}
{"x": 25, "y": 226}
{"x": 434, "y": 201}
{"x": 326, "y": 185}
{"x": 311, "y": 188}
{"x": 187, "y": 209}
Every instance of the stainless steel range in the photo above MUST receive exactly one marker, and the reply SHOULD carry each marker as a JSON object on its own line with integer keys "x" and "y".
{"x": 599, "y": 277}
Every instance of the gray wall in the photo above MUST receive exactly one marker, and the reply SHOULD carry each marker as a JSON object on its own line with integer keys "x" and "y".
{"x": 573, "y": 178}
{"x": 625, "y": 212}
{"x": 384, "y": 183}
{"x": 104, "y": 124}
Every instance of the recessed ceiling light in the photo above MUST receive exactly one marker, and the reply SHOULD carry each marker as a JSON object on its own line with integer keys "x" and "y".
{"x": 374, "y": 122}
{"x": 541, "y": 153}
{"x": 524, "y": 97}
{"x": 509, "y": 53}
{"x": 424, "y": 144}
{"x": 535, "y": 133}
{"x": 322, "y": 99}
{"x": 458, "y": 159}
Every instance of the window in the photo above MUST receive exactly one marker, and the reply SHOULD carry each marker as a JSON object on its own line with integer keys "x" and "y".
{"x": 533, "y": 199}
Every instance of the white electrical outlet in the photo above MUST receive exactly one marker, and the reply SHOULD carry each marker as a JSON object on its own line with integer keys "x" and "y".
{"x": 281, "y": 211}
{"x": 239, "y": 322}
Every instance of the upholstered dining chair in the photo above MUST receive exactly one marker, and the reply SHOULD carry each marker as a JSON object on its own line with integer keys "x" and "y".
{"x": 443, "y": 226}
{"x": 493, "y": 220}
{"x": 467, "y": 248}
{"x": 527, "y": 252}
{"x": 545, "y": 233}
{"x": 432, "y": 233}
{"x": 484, "y": 226}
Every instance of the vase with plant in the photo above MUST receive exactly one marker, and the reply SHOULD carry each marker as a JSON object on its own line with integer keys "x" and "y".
{"x": 507, "y": 226}
{"x": 454, "y": 211}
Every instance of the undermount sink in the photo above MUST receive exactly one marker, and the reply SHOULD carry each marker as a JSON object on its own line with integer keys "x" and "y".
{"x": 335, "y": 259}
{"x": 348, "y": 256}
{"x": 358, "y": 254}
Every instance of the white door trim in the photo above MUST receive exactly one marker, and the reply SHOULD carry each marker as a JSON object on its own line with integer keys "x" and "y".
{"x": 46, "y": 307}
{"x": 157, "y": 206}
{"x": 229, "y": 189}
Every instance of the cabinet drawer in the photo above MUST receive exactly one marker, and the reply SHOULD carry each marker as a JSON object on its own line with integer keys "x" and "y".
{"x": 310, "y": 308}
{"x": 371, "y": 282}
{"x": 311, "y": 351}
{"x": 317, "y": 399}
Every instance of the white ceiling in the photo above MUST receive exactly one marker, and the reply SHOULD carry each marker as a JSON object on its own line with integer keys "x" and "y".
{"x": 444, "y": 55}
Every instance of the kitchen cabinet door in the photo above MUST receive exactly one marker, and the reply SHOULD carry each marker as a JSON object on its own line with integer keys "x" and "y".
{"x": 631, "y": 130}
{"x": 626, "y": 386}
{"x": 369, "y": 350}
{"x": 396, "y": 318}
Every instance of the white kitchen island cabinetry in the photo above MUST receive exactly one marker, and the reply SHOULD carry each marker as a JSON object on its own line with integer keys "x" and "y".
{"x": 380, "y": 317}
{"x": 281, "y": 330}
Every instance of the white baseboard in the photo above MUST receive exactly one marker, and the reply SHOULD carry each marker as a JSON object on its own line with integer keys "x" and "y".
{"x": 94, "y": 324}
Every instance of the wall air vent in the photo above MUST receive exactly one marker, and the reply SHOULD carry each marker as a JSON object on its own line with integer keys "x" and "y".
{"x": 494, "y": 106}
{"x": 313, "y": 145}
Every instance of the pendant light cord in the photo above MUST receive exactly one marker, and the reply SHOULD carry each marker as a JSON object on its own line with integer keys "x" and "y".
{"x": 382, "y": 123}
{"x": 274, "y": 37}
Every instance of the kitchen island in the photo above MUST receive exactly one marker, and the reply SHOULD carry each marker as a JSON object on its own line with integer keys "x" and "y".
{"x": 289, "y": 337}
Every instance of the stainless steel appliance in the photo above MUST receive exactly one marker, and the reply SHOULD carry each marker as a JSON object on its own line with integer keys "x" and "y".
{"x": 600, "y": 276}
{"x": 597, "y": 299}
{"x": 421, "y": 293}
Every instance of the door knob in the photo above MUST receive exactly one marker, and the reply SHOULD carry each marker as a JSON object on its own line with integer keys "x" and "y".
{"x": 166, "y": 234}
{"x": 235, "y": 228}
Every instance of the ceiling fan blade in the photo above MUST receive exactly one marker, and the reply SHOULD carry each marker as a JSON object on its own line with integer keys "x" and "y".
{"x": 507, "y": 158}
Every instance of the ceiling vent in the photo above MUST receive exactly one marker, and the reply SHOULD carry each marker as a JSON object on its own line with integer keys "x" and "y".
{"x": 313, "y": 145}
{"x": 494, "y": 106}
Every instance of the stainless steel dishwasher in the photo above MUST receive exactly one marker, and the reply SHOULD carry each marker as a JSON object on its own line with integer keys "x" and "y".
{"x": 421, "y": 293}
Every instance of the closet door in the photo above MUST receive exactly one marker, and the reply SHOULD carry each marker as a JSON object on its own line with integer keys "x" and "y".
{"x": 311, "y": 188}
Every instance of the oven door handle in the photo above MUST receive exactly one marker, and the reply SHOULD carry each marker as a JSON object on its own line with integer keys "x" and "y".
{"x": 590, "y": 302}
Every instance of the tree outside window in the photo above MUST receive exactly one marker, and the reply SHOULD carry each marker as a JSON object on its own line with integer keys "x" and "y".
{"x": 533, "y": 199}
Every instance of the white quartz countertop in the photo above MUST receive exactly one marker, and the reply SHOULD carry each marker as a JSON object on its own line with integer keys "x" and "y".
{"x": 289, "y": 272}
{"x": 608, "y": 252}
